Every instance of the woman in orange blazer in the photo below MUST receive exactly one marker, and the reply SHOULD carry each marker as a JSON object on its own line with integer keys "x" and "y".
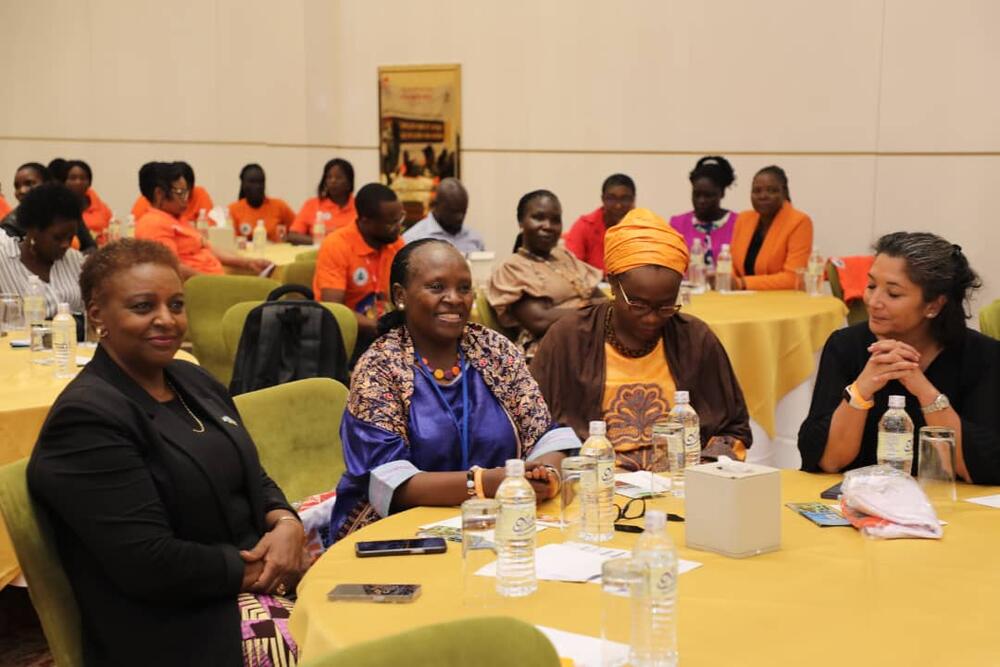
{"x": 774, "y": 240}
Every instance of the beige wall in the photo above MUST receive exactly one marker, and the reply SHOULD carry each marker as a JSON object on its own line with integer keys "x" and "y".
{"x": 883, "y": 113}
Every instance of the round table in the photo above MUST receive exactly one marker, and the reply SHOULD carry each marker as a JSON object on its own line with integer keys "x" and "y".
{"x": 827, "y": 597}
{"x": 26, "y": 394}
{"x": 772, "y": 339}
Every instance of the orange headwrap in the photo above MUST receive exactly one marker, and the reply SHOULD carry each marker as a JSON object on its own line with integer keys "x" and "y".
{"x": 643, "y": 238}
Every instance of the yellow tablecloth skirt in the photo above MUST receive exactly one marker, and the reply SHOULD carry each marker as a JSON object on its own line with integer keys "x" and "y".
{"x": 828, "y": 597}
{"x": 771, "y": 338}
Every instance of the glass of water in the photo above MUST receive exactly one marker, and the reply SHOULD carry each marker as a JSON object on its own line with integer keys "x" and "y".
{"x": 622, "y": 580}
{"x": 576, "y": 470}
{"x": 13, "y": 312}
{"x": 936, "y": 465}
{"x": 479, "y": 520}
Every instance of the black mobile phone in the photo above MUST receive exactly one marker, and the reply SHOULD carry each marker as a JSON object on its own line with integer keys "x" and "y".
{"x": 419, "y": 545}
{"x": 832, "y": 493}
{"x": 375, "y": 592}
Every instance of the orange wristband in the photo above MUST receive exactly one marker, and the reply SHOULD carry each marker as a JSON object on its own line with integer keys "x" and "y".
{"x": 477, "y": 477}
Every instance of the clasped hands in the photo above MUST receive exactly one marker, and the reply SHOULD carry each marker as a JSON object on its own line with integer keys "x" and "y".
{"x": 277, "y": 561}
{"x": 894, "y": 360}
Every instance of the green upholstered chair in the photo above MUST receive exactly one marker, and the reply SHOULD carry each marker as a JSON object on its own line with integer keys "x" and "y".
{"x": 296, "y": 427}
{"x": 485, "y": 315}
{"x": 236, "y": 316}
{"x": 206, "y": 299}
{"x": 47, "y": 583}
{"x": 300, "y": 272}
{"x": 484, "y": 642}
{"x": 307, "y": 256}
{"x": 989, "y": 320}
{"x": 856, "y": 309}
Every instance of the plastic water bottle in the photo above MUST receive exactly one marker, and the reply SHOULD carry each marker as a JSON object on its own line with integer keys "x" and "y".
{"x": 34, "y": 302}
{"x": 64, "y": 342}
{"x": 724, "y": 269}
{"x": 319, "y": 229}
{"x": 515, "y": 533}
{"x": 599, "y": 494}
{"x": 259, "y": 236}
{"x": 130, "y": 227}
{"x": 683, "y": 414}
{"x": 114, "y": 229}
{"x": 202, "y": 223}
{"x": 655, "y": 632}
{"x": 814, "y": 273}
{"x": 696, "y": 269}
{"x": 895, "y": 436}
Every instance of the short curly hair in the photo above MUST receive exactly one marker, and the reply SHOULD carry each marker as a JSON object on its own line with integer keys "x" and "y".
{"x": 118, "y": 256}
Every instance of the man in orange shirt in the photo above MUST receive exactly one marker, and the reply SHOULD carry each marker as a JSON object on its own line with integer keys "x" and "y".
{"x": 198, "y": 199}
{"x": 354, "y": 262}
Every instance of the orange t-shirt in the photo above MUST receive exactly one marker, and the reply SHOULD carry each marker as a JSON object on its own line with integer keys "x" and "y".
{"x": 182, "y": 239}
{"x": 338, "y": 217}
{"x": 346, "y": 262}
{"x": 273, "y": 212}
{"x": 4, "y": 207}
{"x": 198, "y": 200}
{"x": 97, "y": 216}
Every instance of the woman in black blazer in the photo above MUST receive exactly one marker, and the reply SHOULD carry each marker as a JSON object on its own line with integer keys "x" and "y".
{"x": 179, "y": 547}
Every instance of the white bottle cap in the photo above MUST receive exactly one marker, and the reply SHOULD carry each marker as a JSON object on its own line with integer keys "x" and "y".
{"x": 682, "y": 397}
{"x": 598, "y": 428}
{"x": 897, "y": 401}
{"x": 62, "y": 309}
{"x": 515, "y": 468}
{"x": 260, "y": 223}
{"x": 725, "y": 246}
{"x": 655, "y": 520}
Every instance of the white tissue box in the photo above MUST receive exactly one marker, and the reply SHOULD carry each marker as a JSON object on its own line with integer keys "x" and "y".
{"x": 732, "y": 508}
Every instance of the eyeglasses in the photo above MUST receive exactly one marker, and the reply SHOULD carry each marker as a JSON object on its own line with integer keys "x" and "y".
{"x": 636, "y": 509}
{"x": 182, "y": 193}
{"x": 641, "y": 308}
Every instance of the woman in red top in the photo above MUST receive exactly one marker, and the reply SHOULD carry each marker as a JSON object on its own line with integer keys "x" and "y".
{"x": 334, "y": 202}
{"x": 96, "y": 213}
{"x": 254, "y": 205}
{"x": 164, "y": 185}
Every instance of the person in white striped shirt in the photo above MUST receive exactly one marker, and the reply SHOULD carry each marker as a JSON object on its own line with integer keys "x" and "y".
{"x": 49, "y": 214}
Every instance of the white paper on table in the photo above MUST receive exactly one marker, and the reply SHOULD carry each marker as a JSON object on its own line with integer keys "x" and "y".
{"x": 638, "y": 484}
{"x": 576, "y": 562}
{"x": 82, "y": 361}
{"x": 456, "y": 522}
{"x": 583, "y": 650}
{"x": 268, "y": 270}
{"x": 988, "y": 501}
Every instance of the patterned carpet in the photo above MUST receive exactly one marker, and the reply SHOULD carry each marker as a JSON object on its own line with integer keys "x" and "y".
{"x": 22, "y": 643}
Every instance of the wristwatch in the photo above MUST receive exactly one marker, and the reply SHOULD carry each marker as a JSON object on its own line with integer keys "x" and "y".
{"x": 937, "y": 405}
{"x": 855, "y": 400}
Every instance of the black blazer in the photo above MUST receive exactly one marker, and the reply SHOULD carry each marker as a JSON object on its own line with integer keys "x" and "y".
{"x": 141, "y": 526}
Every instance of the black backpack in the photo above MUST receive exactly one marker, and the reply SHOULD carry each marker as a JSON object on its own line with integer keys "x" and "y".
{"x": 284, "y": 341}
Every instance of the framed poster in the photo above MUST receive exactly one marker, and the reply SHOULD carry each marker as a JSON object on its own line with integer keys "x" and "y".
{"x": 420, "y": 131}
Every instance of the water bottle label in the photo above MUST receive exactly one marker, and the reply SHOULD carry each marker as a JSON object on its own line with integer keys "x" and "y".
{"x": 692, "y": 439}
{"x": 895, "y": 446}
{"x": 515, "y": 523}
{"x": 662, "y": 582}
{"x": 605, "y": 473}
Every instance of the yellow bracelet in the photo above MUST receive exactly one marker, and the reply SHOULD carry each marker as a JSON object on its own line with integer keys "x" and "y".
{"x": 477, "y": 476}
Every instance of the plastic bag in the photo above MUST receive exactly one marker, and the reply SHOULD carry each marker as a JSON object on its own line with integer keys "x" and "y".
{"x": 883, "y": 502}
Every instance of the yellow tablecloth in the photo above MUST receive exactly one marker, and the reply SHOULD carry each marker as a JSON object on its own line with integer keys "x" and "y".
{"x": 281, "y": 254}
{"x": 828, "y": 597}
{"x": 27, "y": 391}
{"x": 771, "y": 338}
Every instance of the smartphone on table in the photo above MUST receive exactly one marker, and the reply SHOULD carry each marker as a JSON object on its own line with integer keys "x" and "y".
{"x": 407, "y": 547}
{"x": 375, "y": 592}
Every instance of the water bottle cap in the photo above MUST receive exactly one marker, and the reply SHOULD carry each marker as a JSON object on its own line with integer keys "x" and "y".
{"x": 682, "y": 397}
{"x": 515, "y": 468}
{"x": 655, "y": 520}
{"x": 598, "y": 428}
{"x": 897, "y": 401}
{"x": 725, "y": 246}
{"x": 62, "y": 309}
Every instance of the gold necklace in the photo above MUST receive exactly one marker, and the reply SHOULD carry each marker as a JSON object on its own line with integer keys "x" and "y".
{"x": 201, "y": 426}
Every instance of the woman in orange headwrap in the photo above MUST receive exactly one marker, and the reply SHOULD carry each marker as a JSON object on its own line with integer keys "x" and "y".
{"x": 622, "y": 362}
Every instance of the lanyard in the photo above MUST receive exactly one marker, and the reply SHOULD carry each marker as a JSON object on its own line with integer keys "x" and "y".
{"x": 463, "y": 430}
